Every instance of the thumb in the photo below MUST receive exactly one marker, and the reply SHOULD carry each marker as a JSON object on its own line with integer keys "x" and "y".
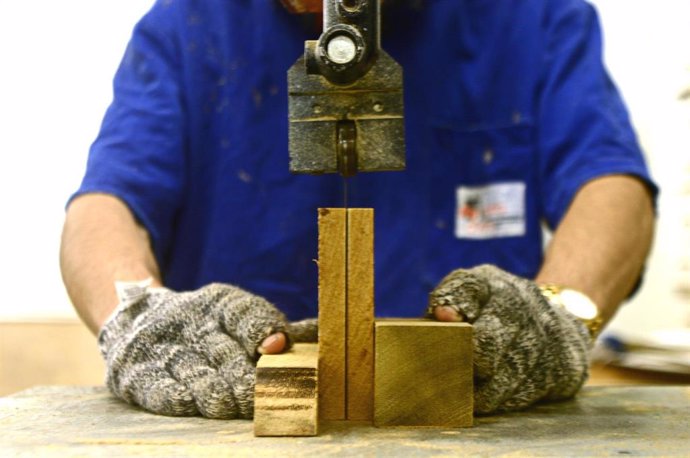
{"x": 459, "y": 296}
{"x": 275, "y": 343}
{"x": 446, "y": 313}
{"x": 251, "y": 320}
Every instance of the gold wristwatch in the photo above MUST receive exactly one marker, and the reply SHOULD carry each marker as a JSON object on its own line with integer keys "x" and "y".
{"x": 576, "y": 303}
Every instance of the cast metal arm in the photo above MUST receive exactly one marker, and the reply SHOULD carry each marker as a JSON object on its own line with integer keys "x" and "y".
{"x": 345, "y": 96}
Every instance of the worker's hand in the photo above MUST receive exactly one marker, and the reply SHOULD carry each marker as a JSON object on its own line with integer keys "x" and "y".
{"x": 191, "y": 353}
{"x": 525, "y": 349}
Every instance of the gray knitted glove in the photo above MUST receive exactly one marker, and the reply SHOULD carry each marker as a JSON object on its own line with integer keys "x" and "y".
{"x": 304, "y": 331}
{"x": 188, "y": 353}
{"x": 525, "y": 350}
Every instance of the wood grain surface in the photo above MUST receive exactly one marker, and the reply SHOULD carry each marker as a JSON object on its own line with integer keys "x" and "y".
{"x": 423, "y": 373}
{"x": 360, "y": 314}
{"x": 286, "y": 393}
{"x": 60, "y": 421}
{"x": 332, "y": 308}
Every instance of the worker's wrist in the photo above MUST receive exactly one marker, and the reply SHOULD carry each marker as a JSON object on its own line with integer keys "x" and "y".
{"x": 576, "y": 303}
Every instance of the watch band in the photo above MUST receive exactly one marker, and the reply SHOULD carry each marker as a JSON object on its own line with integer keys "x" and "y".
{"x": 576, "y": 303}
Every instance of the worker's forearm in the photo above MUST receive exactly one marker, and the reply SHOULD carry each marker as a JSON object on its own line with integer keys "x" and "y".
{"x": 102, "y": 243}
{"x": 601, "y": 245}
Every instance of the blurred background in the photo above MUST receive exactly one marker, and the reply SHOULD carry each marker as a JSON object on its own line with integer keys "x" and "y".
{"x": 57, "y": 64}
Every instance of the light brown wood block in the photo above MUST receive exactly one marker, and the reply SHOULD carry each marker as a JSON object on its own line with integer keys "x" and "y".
{"x": 332, "y": 313}
{"x": 423, "y": 373}
{"x": 286, "y": 393}
{"x": 360, "y": 314}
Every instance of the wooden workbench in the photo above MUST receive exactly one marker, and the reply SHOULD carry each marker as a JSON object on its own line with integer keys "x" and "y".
{"x": 68, "y": 421}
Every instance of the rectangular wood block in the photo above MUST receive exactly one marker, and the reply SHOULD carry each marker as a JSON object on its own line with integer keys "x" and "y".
{"x": 423, "y": 373}
{"x": 332, "y": 309}
{"x": 360, "y": 314}
{"x": 286, "y": 393}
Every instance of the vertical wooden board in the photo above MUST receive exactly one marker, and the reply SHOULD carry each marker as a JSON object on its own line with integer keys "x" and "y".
{"x": 423, "y": 373}
{"x": 286, "y": 393}
{"x": 332, "y": 307}
{"x": 360, "y": 314}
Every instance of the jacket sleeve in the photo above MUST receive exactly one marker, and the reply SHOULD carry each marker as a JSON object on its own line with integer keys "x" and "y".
{"x": 585, "y": 131}
{"x": 139, "y": 153}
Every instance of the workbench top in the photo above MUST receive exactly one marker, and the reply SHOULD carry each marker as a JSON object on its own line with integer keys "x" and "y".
{"x": 68, "y": 421}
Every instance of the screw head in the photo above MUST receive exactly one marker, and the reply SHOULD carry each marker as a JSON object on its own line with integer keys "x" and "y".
{"x": 341, "y": 49}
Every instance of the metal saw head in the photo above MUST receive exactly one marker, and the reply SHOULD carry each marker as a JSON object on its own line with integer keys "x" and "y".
{"x": 345, "y": 97}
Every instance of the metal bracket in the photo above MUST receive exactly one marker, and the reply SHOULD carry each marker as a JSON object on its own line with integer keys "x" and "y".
{"x": 346, "y": 97}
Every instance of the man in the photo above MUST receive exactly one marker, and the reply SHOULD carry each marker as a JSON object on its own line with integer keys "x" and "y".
{"x": 511, "y": 120}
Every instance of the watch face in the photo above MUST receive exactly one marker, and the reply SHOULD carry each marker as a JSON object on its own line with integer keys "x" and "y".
{"x": 578, "y": 304}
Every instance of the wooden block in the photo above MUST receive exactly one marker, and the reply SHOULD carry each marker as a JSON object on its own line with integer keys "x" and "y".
{"x": 423, "y": 373}
{"x": 332, "y": 313}
{"x": 360, "y": 314}
{"x": 286, "y": 393}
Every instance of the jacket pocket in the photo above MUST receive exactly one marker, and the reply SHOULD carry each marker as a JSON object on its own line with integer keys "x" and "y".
{"x": 476, "y": 155}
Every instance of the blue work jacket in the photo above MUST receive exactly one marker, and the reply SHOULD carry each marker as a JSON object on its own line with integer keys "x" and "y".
{"x": 508, "y": 112}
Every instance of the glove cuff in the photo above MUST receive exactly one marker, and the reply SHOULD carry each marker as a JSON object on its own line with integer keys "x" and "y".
{"x": 129, "y": 293}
